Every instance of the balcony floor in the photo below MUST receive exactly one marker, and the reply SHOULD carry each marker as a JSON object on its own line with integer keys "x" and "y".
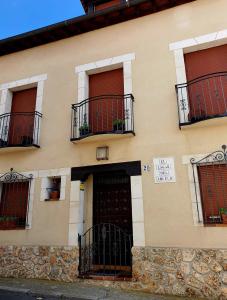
{"x": 17, "y": 148}
{"x": 103, "y": 137}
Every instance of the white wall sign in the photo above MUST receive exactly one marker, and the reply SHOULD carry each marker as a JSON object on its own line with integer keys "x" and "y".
{"x": 164, "y": 170}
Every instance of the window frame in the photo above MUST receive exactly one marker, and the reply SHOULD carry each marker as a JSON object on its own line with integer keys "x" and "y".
{"x": 7, "y": 89}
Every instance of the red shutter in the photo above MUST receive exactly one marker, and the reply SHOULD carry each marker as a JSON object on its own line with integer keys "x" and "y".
{"x": 209, "y": 96}
{"x": 105, "y": 110}
{"x": 213, "y": 189}
{"x": 14, "y": 201}
{"x": 21, "y": 122}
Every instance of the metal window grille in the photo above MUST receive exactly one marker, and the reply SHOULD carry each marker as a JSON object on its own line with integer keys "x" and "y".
{"x": 210, "y": 183}
{"x": 14, "y": 200}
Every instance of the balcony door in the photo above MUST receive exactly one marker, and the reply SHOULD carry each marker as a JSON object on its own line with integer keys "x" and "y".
{"x": 208, "y": 95}
{"x": 22, "y": 117}
{"x": 106, "y": 103}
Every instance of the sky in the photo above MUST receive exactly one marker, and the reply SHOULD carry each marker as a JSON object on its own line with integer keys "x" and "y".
{"x": 19, "y": 16}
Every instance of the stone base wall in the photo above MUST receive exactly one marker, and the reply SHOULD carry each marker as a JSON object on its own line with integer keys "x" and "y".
{"x": 183, "y": 272}
{"x": 171, "y": 271}
{"x": 52, "y": 263}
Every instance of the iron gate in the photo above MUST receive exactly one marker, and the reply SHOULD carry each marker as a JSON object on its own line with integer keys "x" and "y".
{"x": 105, "y": 249}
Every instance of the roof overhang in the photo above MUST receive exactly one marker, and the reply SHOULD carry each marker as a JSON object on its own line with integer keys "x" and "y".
{"x": 85, "y": 23}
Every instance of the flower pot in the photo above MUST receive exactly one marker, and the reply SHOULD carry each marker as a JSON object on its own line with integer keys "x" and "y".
{"x": 26, "y": 140}
{"x": 119, "y": 127}
{"x": 54, "y": 195}
{"x": 224, "y": 218}
{"x": 84, "y": 132}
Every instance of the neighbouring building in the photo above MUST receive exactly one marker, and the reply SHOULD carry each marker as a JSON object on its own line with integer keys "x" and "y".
{"x": 113, "y": 162}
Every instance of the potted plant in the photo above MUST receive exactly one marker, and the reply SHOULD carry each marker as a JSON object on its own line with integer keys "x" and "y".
{"x": 26, "y": 140}
{"x": 55, "y": 190}
{"x": 84, "y": 129}
{"x": 8, "y": 222}
{"x": 119, "y": 125}
{"x": 223, "y": 213}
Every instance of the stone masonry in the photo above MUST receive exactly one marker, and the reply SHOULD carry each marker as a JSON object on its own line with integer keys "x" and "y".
{"x": 171, "y": 271}
{"x": 52, "y": 263}
{"x": 184, "y": 272}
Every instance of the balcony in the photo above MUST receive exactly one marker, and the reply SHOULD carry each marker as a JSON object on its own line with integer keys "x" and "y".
{"x": 109, "y": 115}
{"x": 19, "y": 130}
{"x": 202, "y": 99}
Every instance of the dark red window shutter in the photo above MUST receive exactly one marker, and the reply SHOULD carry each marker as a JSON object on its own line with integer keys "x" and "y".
{"x": 213, "y": 189}
{"x": 209, "y": 96}
{"x": 104, "y": 110}
{"x": 22, "y": 116}
{"x": 14, "y": 203}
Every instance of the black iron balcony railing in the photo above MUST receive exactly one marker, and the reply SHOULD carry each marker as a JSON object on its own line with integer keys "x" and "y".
{"x": 202, "y": 98}
{"x": 20, "y": 129}
{"x": 105, "y": 114}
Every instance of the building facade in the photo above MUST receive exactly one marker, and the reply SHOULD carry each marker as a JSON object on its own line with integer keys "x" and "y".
{"x": 112, "y": 148}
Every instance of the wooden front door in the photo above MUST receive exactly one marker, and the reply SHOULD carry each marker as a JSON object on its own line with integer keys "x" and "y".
{"x": 22, "y": 117}
{"x": 112, "y": 200}
{"x": 112, "y": 223}
{"x": 108, "y": 87}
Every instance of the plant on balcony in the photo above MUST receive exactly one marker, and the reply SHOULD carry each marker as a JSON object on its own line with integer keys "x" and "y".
{"x": 26, "y": 140}
{"x": 84, "y": 129}
{"x": 223, "y": 213}
{"x": 8, "y": 222}
{"x": 119, "y": 125}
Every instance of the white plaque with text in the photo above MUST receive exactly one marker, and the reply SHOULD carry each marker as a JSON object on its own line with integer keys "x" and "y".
{"x": 164, "y": 170}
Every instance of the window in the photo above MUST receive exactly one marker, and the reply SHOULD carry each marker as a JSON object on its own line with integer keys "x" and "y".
{"x": 106, "y": 108}
{"x": 53, "y": 184}
{"x": 14, "y": 200}
{"x": 105, "y": 100}
{"x": 53, "y": 189}
{"x": 207, "y": 82}
{"x": 20, "y": 112}
{"x": 22, "y": 116}
{"x": 210, "y": 173}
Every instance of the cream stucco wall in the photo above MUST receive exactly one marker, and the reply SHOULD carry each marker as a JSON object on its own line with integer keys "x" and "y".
{"x": 167, "y": 207}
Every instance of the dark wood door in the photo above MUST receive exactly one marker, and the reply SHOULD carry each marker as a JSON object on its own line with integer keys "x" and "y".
{"x": 22, "y": 117}
{"x": 112, "y": 207}
{"x": 104, "y": 110}
{"x": 112, "y": 200}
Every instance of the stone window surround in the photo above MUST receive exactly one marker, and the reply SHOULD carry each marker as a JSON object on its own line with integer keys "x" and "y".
{"x": 76, "y": 218}
{"x": 31, "y": 196}
{"x": 108, "y": 64}
{"x": 7, "y": 90}
{"x": 190, "y": 45}
{"x": 196, "y": 200}
{"x": 45, "y": 174}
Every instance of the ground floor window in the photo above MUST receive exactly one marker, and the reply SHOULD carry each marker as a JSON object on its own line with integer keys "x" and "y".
{"x": 210, "y": 181}
{"x": 14, "y": 200}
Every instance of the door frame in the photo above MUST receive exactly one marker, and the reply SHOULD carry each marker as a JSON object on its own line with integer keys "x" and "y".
{"x": 77, "y": 199}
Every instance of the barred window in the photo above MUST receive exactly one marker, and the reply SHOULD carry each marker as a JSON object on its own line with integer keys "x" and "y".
{"x": 211, "y": 190}
{"x": 14, "y": 200}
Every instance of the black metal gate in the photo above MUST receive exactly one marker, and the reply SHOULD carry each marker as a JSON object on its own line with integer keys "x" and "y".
{"x": 105, "y": 249}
